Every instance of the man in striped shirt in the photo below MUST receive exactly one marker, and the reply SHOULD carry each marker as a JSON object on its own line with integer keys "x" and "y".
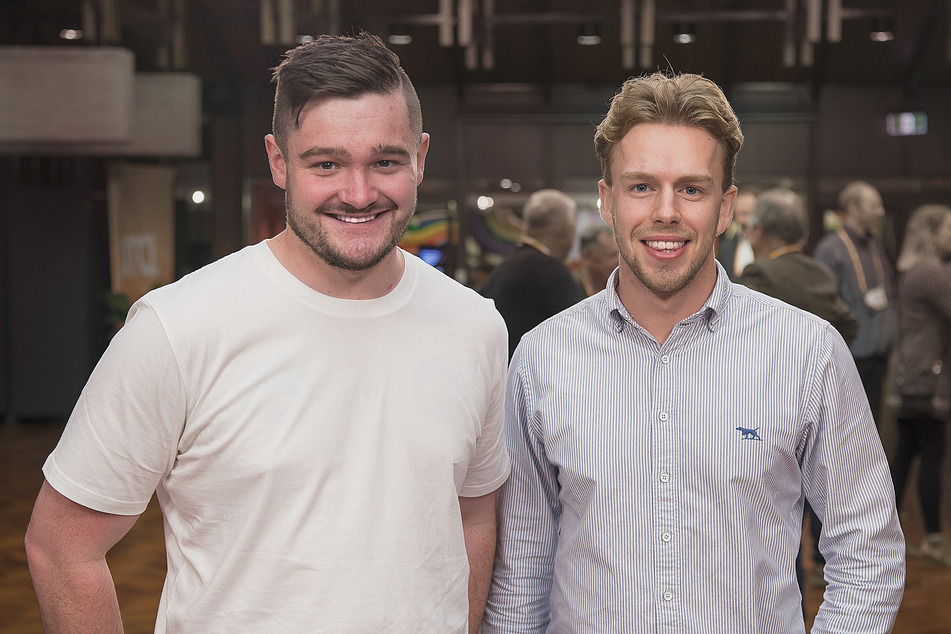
{"x": 666, "y": 432}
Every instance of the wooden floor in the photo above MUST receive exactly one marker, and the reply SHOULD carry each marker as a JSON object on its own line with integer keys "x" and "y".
{"x": 138, "y": 562}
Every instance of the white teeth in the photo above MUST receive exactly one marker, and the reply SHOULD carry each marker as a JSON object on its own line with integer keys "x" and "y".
{"x": 664, "y": 246}
{"x": 356, "y": 221}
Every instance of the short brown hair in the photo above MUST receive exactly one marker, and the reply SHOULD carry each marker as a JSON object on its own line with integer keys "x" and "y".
{"x": 338, "y": 66}
{"x": 678, "y": 99}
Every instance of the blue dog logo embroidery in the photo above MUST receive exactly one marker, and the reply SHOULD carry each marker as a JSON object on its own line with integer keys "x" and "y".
{"x": 749, "y": 434}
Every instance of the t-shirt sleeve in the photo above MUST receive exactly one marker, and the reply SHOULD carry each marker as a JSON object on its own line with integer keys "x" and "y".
{"x": 122, "y": 436}
{"x": 490, "y": 466}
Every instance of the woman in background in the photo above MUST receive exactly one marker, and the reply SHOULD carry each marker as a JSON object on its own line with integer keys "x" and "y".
{"x": 922, "y": 386}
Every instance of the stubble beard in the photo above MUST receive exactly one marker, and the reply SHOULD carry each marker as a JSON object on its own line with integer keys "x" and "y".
{"x": 309, "y": 231}
{"x": 668, "y": 279}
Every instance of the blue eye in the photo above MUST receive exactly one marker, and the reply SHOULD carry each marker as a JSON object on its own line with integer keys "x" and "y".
{"x": 640, "y": 188}
{"x": 691, "y": 190}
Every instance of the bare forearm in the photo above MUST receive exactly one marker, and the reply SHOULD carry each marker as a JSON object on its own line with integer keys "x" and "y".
{"x": 480, "y": 530}
{"x": 76, "y": 599}
{"x": 66, "y": 545}
{"x": 481, "y": 547}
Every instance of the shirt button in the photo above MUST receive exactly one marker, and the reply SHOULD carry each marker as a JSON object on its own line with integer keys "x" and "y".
{"x": 668, "y": 595}
{"x": 663, "y": 417}
{"x": 666, "y": 537}
{"x": 665, "y": 477}
{"x": 665, "y": 359}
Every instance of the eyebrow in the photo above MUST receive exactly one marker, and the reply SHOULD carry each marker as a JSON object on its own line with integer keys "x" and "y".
{"x": 380, "y": 150}
{"x": 705, "y": 179}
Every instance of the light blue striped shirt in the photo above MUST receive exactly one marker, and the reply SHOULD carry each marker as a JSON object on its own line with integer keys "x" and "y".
{"x": 659, "y": 488}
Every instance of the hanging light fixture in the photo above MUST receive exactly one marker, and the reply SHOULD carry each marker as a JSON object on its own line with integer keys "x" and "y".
{"x": 589, "y": 34}
{"x": 883, "y": 30}
{"x": 685, "y": 33}
{"x": 399, "y": 34}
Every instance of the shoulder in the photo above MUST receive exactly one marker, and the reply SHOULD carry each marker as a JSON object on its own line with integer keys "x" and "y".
{"x": 927, "y": 275}
{"x": 828, "y": 244}
{"x": 757, "y": 275}
{"x": 568, "y": 328}
{"x": 753, "y": 309}
{"x": 437, "y": 291}
{"x": 222, "y": 275}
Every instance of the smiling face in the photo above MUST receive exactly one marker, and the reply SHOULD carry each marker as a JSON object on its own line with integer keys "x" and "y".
{"x": 350, "y": 176}
{"x": 667, "y": 204}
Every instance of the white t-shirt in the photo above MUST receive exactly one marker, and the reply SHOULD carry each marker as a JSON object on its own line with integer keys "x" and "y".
{"x": 307, "y": 452}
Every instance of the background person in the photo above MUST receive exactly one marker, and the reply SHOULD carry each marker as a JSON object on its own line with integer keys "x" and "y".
{"x": 734, "y": 250}
{"x": 866, "y": 281}
{"x": 533, "y": 282}
{"x": 778, "y": 228}
{"x": 599, "y": 257}
{"x": 923, "y": 362}
{"x": 318, "y": 414}
{"x": 666, "y": 433}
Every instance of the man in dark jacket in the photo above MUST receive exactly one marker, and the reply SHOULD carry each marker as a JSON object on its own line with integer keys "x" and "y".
{"x": 533, "y": 283}
{"x": 778, "y": 229}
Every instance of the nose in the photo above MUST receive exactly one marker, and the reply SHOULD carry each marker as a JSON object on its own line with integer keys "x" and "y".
{"x": 357, "y": 190}
{"x": 665, "y": 207}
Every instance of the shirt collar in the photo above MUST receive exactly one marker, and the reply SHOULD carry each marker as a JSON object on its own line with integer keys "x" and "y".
{"x": 711, "y": 312}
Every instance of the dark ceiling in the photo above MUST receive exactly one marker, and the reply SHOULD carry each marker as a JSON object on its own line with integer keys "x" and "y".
{"x": 529, "y": 41}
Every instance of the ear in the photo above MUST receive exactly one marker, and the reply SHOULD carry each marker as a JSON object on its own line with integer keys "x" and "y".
{"x": 421, "y": 157}
{"x": 726, "y": 209}
{"x": 604, "y": 191}
{"x": 276, "y": 160}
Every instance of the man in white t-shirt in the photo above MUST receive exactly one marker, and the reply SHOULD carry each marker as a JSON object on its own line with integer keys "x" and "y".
{"x": 319, "y": 414}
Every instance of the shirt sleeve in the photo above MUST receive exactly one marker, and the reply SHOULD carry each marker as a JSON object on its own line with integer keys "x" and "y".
{"x": 122, "y": 436}
{"x": 519, "y": 599}
{"x": 490, "y": 466}
{"x": 847, "y": 481}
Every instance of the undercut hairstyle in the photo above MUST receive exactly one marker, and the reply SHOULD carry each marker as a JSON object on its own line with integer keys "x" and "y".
{"x": 920, "y": 233}
{"x": 347, "y": 67}
{"x": 780, "y": 213}
{"x": 670, "y": 99}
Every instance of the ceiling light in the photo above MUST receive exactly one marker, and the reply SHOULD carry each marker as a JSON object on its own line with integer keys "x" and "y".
{"x": 684, "y": 33}
{"x": 883, "y": 30}
{"x": 71, "y": 34}
{"x": 399, "y": 35}
{"x": 589, "y": 34}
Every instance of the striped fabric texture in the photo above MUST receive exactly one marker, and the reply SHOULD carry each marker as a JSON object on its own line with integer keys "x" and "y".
{"x": 660, "y": 488}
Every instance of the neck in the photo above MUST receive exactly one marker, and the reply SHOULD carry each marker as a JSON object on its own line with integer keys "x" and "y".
{"x": 783, "y": 250}
{"x": 329, "y": 280}
{"x": 659, "y": 313}
{"x": 769, "y": 248}
{"x": 854, "y": 226}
